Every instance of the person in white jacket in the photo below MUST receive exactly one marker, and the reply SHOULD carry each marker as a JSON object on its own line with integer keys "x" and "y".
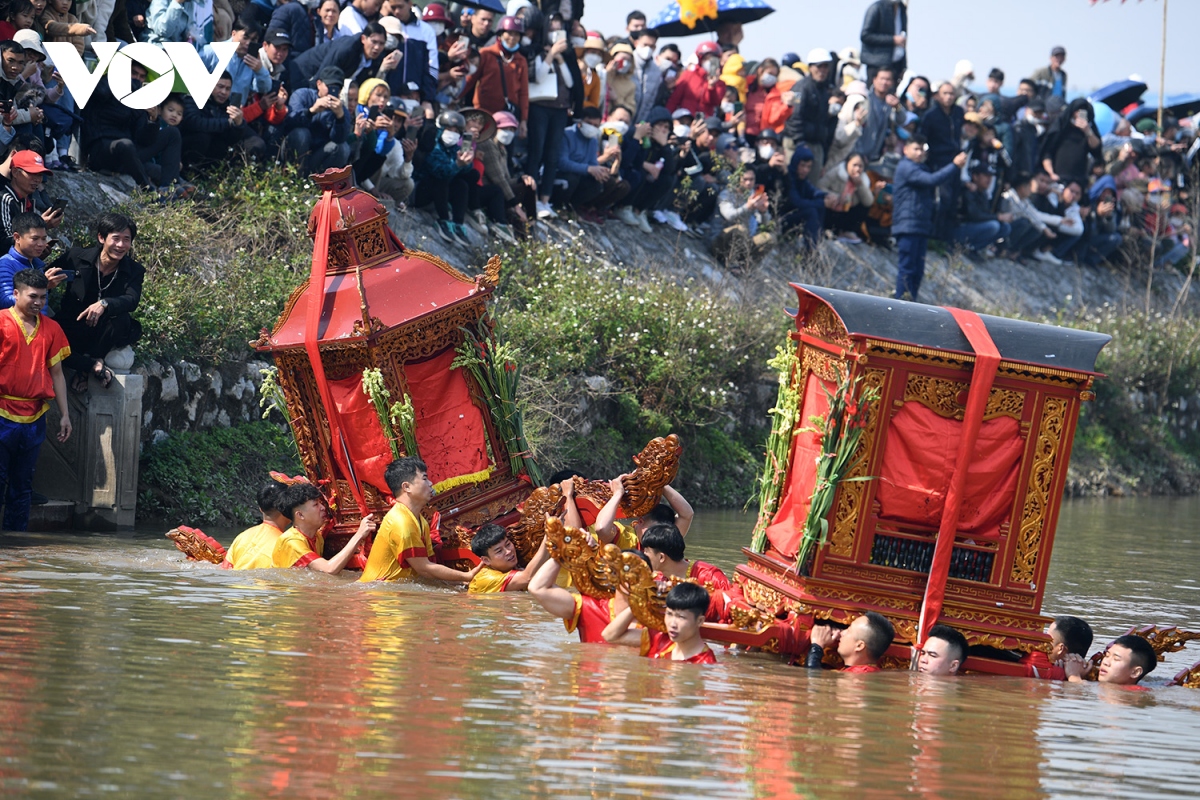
{"x": 849, "y": 184}
{"x": 851, "y": 119}
{"x": 1018, "y": 204}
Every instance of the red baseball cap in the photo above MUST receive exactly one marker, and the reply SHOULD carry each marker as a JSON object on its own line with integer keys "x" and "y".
{"x": 29, "y": 161}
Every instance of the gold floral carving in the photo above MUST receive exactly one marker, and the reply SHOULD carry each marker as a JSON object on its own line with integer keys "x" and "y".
{"x": 752, "y": 620}
{"x": 490, "y": 277}
{"x": 1039, "y": 495}
{"x": 439, "y": 263}
{"x": 370, "y": 240}
{"x": 850, "y": 492}
{"x": 579, "y": 555}
{"x": 825, "y": 325}
{"x": 657, "y": 466}
{"x": 942, "y": 396}
{"x": 822, "y": 364}
{"x": 768, "y": 599}
{"x": 1166, "y": 640}
{"x": 527, "y": 532}
{"x": 647, "y": 597}
{"x": 193, "y": 546}
{"x": 1189, "y": 678}
{"x": 893, "y": 662}
{"x": 1035, "y": 623}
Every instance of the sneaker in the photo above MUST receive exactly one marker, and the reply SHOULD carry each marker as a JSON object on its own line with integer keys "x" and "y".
{"x": 446, "y": 231}
{"x": 626, "y": 215}
{"x": 644, "y": 223}
{"x": 68, "y": 163}
{"x": 544, "y": 211}
{"x": 1046, "y": 257}
{"x": 660, "y": 217}
{"x": 676, "y": 222}
{"x": 54, "y": 164}
{"x": 503, "y": 233}
{"x": 478, "y": 221}
{"x": 850, "y": 238}
{"x": 460, "y": 234}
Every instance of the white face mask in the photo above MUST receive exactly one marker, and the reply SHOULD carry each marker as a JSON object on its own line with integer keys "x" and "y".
{"x": 588, "y": 131}
{"x": 438, "y": 28}
{"x": 624, "y": 68}
{"x": 393, "y": 42}
{"x": 765, "y": 152}
{"x": 683, "y": 131}
{"x": 451, "y": 138}
{"x": 727, "y": 108}
{"x": 506, "y": 136}
{"x": 526, "y": 41}
{"x": 712, "y": 66}
{"x": 578, "y": 42}
{"x": 619, "y": 128}
{"x": 593, "y": 60}
{"x": 645, "y": 52}
{"x": 834, "y": 109}
{"x": 767, "y": 80}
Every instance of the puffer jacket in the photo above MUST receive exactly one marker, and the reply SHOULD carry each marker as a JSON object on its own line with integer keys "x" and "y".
{"x": 914, "y": 189}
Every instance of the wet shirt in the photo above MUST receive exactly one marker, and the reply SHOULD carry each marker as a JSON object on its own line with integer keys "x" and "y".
{"x": 254, "y": 548}
{"x": 489, "y": 581}
{"x": 1037, "y": 665}
{"x": 656, "y": 644}
{"x": 25, "y": 360}
{"x": 294, "y": 549}
{"x": 591, "y": 617}
{"x": 401, "y": 536}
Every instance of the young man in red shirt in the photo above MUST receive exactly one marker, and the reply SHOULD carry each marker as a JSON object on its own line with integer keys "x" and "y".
{"x": 32, "y": 347}
{"x": 580, "y": 613}
{"x": 1126, "y": 661}
{"x": 1071, "y": 637}
{"x": 944, "y": 652}
{"x": 860, "y": 646}
{"x": 686, "y": 606}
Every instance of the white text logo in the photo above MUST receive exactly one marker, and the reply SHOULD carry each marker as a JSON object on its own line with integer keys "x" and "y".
{"x": 165, "y": 61}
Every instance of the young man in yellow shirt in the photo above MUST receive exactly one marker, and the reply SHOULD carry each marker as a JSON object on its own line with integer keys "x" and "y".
{"x": 627, "y": 535}
{"x": 254, "y": 547}
{"x": 498, "y": 556}
{"x": 403, "y": 549}
{"x": 302, "y": 544}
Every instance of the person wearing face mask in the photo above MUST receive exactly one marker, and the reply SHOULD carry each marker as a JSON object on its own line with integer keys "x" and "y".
{"x": 656, "y": 161}
{"x": 555, "y": 93}
{"x": 435, "y": 16}
{"x": 519, "y": 191}
{"x": 593, "y": 56}
{"x": 502, "y": 82}
{"x": 620, "y": 91}
{"x": 416, "y": 28}
{"x": 814, "y": 118}
{"x": 700, "y": 87}
{"x": 404, "y": 61}
{"x": 647, "y": 75}
{"x": 770, "y": 164}
{"x": 444, "y": 177}
{"x": 592, "y": 188}
{"x": 766, "y": 75}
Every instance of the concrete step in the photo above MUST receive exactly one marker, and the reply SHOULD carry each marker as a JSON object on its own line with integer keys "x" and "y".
{"x": 57, "y": 515}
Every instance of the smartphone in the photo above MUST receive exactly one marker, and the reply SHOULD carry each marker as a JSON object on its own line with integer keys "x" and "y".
{"x": 412, "y": 132}
{"x": 59, "y": 204}
{"x": 276, "y": 85}
{"x": 1081, "y": 117}
{"x": 235, "y": 99}
{"x": 739, "y": 108}
{"x": 70, "y": 274}
{"x": 557, "y": 36}
{"x": 468, "y": 139}
{"x": 760, "y": 190}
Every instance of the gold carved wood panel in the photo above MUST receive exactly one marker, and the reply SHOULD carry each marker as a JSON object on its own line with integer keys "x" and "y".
{"x": 1039, "y": 495}
{"x": 947, "y": 398}
{"x": 850, "y": 500}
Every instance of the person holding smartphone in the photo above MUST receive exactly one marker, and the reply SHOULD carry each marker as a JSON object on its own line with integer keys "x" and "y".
{"x": 555, "y": 93}
{"x": 212, "y": 133}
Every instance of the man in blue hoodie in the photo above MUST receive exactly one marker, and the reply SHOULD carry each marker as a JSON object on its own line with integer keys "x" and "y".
{"x": 589, "y": 183}
{"x": 805, "y": 203}
{"x": 914, "y": 188}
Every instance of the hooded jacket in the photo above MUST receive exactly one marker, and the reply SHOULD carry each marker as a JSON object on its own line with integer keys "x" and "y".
{"x": 1066, "y": 145}
{"x": 801, "y": 193}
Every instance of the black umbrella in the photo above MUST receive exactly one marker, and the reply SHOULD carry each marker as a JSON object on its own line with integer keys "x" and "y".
{"x": 667, "y": 22}
{"x": 1119, "y": 95}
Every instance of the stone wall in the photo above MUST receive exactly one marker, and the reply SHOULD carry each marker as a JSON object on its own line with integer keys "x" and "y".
{"x": 187, "y": 397}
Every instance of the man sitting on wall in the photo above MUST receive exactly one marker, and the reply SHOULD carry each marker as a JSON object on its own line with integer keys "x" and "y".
{"x": 254, "y": 547}
{"x": 403, "y": 550}
{"x": 498, "y": 557}
{"x": 302, "y": 544}
{"x": 860, "y": 646}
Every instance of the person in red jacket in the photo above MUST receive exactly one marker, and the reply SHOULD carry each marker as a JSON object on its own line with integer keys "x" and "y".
{"x": 502, "y": 82}
{"x": 700, "y": 88}
{"x": 860, "y": 646}
{"x": 663, "y": 545}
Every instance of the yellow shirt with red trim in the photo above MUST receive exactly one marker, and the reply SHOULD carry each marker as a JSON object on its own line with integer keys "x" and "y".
{"x": 490, "y": 581}
{"x": 591, "y": 617}
{"x": 25, "y": 360}
{"x": 401, "y": 535}
{"x": 294, "y": 549}
{"x": 656, "y": 644}
{"x": 253, "y": 548}
{"x": 627, "y": 538}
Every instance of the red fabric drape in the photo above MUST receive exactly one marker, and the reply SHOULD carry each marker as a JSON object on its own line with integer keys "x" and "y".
{"x": 788, "y": 526}
{"x": 450, "y": 429}
{"x": 364, "y": 435}
{"x": 914, "y": 477}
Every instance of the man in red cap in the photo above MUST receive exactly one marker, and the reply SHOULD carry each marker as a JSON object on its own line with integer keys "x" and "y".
{"x": 25, "y": 168}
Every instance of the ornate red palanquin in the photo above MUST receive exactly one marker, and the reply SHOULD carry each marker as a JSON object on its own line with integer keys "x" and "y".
{"x": 402, "y": 311}
{"x": 883, "y": 531}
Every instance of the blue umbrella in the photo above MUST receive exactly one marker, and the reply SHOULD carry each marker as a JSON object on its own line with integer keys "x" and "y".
{"x": 667, "y": 21}
{"x": 1178, "y": 105}
{"x": 1120, "y": 94}
{"x": 485, "y": 5}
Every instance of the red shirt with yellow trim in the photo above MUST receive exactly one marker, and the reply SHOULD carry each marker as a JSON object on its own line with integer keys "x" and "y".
{"x": 490, "y": 581}
{"x": 294, "y": 549}
{"x": 25, "y": 360}
{"x": 656, "y": 644}
{"x": 591, "y": 617}
{"x": 707, "y": 575}
{"x": 253, "y": 548}
{"x": 401, "y": 535}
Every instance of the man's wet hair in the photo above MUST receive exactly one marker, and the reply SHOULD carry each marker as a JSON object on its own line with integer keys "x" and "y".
{"x": 688, "y": 597}
{"x": 1076, "y": 634}
{"x": 880, "y": 633}
{"x": 957, "y": 642}
{"x": 487, "y": 537}
{"x": 402, "y": 471}
{"x": 1140, "y": 652}
{"x": 31, "y": 279}
{"x": 269, "y": 497}
{"x": 27, "y": 221}
{"x": 296, "y": 495}
{"x": 661, "y": 514}
{"x": 666, "y": 539}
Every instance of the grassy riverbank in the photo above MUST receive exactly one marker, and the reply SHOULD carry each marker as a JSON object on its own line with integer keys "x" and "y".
{"x": 614, "y": 353}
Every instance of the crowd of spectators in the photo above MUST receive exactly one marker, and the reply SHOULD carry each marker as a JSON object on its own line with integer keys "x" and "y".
{"x": 498, "y": 121}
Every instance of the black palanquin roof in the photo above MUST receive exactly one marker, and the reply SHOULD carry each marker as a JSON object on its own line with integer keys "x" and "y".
{"x": 935, "y": 327}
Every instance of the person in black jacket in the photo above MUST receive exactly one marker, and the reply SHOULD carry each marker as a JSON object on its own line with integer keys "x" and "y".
{"x": 123, "y": 140}
{"x": 812, "y": 122}
{"x": 96, "y": 310}
{"x": 1069, "y": 143}
{"x": 885, "y": 37}
{"x": 942, "y": 127}
{"x": 218, "y": 130}
{"x": 347, "y": 54}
